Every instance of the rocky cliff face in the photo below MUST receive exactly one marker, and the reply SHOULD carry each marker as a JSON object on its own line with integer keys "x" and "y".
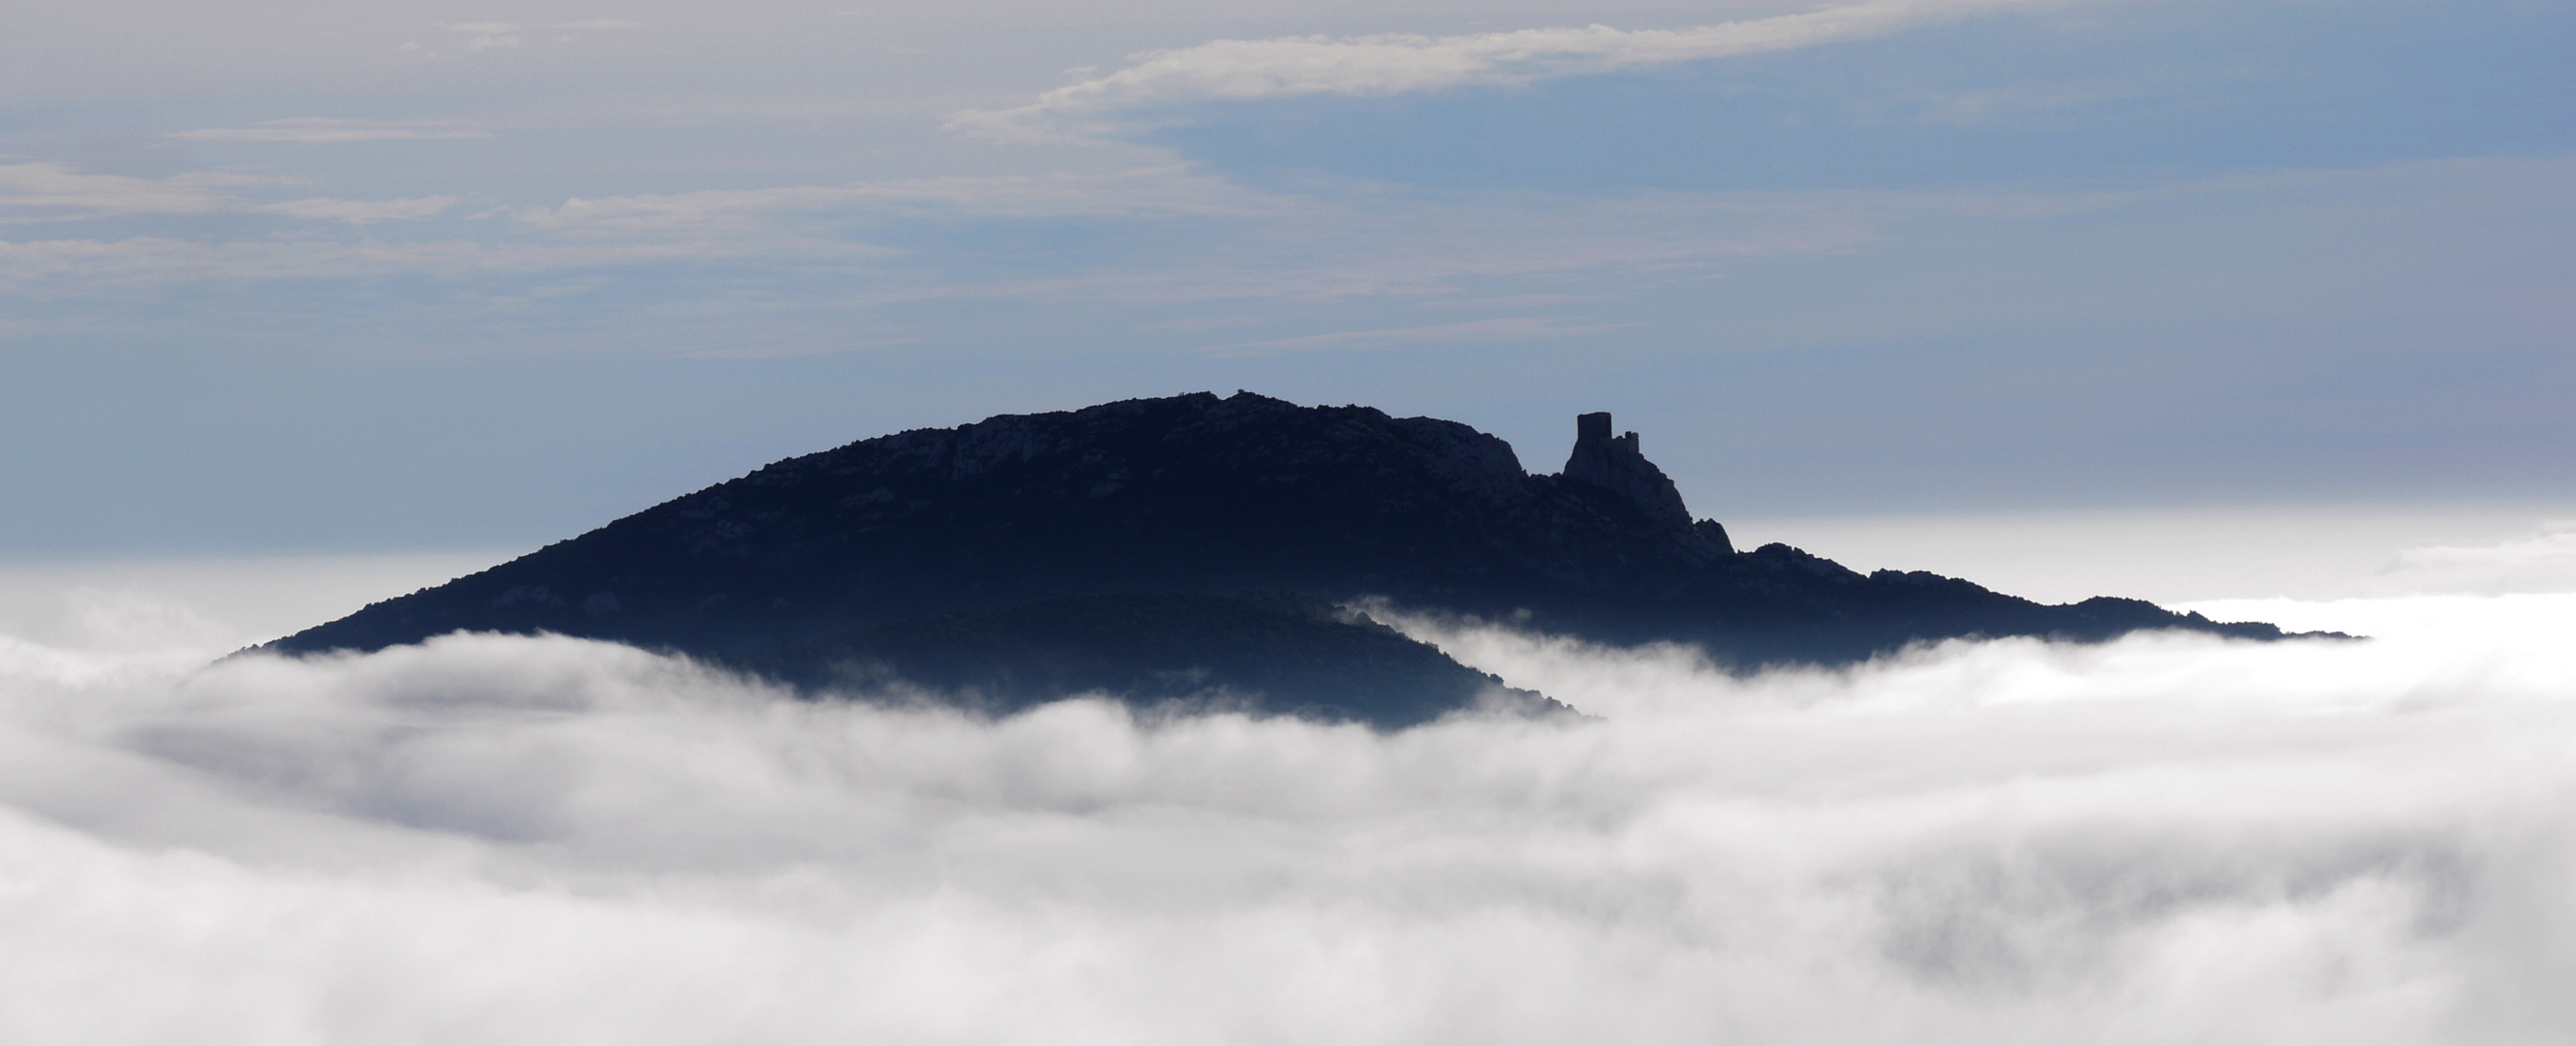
{"x": 1197, "y": 494}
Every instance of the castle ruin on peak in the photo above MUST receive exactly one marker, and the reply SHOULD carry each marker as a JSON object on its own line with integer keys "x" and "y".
{"x": 1615, "y": 464}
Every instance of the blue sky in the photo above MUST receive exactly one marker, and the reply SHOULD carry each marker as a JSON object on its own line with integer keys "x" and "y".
{"x": 299, "y": 277}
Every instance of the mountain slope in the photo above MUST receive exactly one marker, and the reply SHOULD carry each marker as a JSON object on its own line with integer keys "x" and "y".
{"x": 1265, "y": 651}
{"x": 1197, "y": 494}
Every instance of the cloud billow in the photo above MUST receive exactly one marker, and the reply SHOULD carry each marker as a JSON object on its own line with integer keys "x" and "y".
{"x": 2167, "y": 839}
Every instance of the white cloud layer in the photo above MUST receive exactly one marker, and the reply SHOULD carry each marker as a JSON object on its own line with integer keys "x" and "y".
{"x": 1397, "y": 63}
{"x": 2541, "y": 562}
{"x": 2166, "y": 840}
{"x": 2313, "y": 552}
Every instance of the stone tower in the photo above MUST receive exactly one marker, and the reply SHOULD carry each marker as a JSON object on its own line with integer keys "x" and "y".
{"x": 1615, "y": 463}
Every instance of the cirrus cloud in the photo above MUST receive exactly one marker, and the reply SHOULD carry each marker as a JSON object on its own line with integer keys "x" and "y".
{"x": 362, "y": 212}
{"x": 52, "y": 189}
{"x": 318, "y": 129}
{"x": 1139, "y": 192}
{"x": 484, "y": 36}
{"x": 1397, "y": 63}
{"x": 66, "y": 268}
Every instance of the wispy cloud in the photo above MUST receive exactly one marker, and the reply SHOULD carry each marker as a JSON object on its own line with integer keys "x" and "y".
{"x": 484, "y": 36}
{"x": 362, "y": 212}
{"x": 1220, "y": 241}
{"x": 53, "y": 192}
{"x": 1385, "y": 64}
{"x": 658, "y": 212}
{"x": 318, "y": 129}
{"x": 50, "y": 189}
{"x": 72, "y": 267}
{"x": 1132, "y": 193}
{"x": 1500, "y": 328}
{"x": 489, "y": 36}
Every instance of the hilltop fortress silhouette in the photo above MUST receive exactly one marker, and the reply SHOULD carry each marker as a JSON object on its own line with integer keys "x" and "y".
{"x": 1199, "y": 548}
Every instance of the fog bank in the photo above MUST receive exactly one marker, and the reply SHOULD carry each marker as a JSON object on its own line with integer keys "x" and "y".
{"x": 2163, "y": 840}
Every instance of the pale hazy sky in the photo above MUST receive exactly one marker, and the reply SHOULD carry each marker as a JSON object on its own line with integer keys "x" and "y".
{"x": 296, "y": 276}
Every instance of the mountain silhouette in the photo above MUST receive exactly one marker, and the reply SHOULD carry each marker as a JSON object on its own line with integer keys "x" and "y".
{"x": 1197, "y": 546}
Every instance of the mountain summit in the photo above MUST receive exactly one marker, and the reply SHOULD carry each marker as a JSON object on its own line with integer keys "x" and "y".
{"x": 1193, "y": 546}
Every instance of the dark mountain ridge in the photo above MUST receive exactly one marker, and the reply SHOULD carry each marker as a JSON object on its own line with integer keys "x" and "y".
{"x": 1195, "y": 494}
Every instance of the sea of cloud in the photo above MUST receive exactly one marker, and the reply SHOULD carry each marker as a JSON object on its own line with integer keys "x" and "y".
{"x": 2168, "y": 839}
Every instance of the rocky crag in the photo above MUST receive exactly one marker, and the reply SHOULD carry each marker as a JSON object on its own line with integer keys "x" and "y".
{"x": 978, "y": 559}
